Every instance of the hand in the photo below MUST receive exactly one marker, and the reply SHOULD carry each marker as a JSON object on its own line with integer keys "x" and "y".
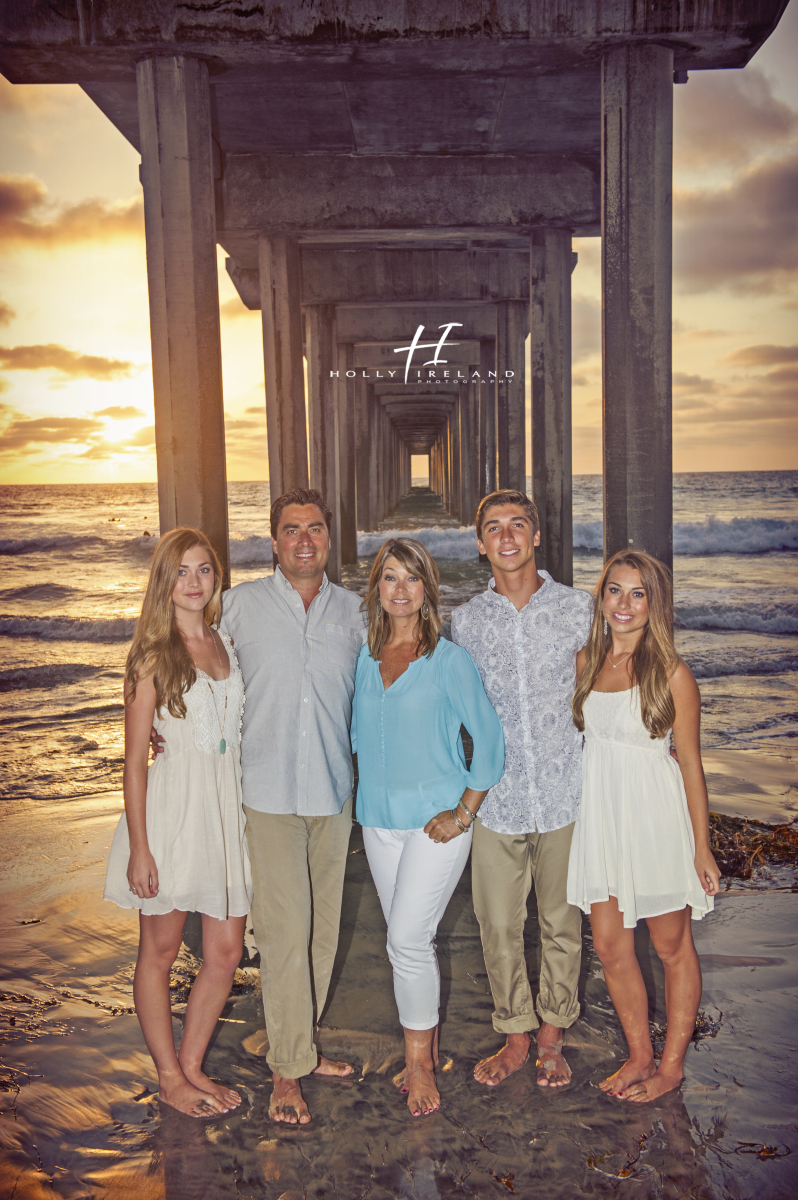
{"x": 442, "y": 828}
{"x": 157, "y": 742}
{"x": 707, "y": 871}
{"x": 142, "y": 875}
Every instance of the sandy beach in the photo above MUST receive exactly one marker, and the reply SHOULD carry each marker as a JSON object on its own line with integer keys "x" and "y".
{"x": 79, "y": 1118}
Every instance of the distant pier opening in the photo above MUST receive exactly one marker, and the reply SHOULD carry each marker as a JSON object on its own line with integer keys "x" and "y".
{"x": 419, "y": 470}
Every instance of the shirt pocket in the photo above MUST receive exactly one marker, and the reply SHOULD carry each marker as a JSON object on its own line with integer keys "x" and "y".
{"x": 341, "y": 645}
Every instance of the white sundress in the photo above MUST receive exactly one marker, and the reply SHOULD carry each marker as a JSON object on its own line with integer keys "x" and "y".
{"x": 634, "y": 838}
{"x": 195, "y": 819}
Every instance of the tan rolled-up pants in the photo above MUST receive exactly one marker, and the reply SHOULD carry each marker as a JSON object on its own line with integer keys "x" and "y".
{"x": 503, "y": 868}
{"x": 298, "y": 868}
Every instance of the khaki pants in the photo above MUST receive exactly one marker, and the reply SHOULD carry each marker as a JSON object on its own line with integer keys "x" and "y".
{"x": 503, "y": 868}
{"x": 298, "y": 879}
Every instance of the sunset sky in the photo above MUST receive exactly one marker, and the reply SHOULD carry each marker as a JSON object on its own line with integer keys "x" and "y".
{"x": 75, "y": 380}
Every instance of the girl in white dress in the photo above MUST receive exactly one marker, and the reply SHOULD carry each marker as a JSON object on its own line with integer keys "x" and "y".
{"x": 180, "y": 847}
{"x": 640, "y": 848}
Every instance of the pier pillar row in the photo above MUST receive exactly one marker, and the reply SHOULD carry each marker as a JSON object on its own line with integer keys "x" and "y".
{"x": 281, "y": 312}
{"x": 636, "y": 205}
{"x": 550, "y": 328}
{"x": 346, "y": 389}
{"x": 177, "y": 174}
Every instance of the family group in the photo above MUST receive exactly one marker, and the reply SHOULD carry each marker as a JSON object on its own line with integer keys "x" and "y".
{"x": 585, "y": 782}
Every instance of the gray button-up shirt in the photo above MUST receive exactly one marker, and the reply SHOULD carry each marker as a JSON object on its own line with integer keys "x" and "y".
{"x": 527, "y": 661}
{"x": 299, "y": 675}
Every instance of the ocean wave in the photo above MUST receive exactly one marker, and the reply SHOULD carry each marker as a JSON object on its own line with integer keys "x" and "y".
{"x": 250, "y": 548}
{"x": 48, "y": 676}
{"x": 716, "y": 666}
{"x": 69, "y": 629}
{"x": 740, "y": 535}
{"x": 441, "y": 542}
{"x": 764, "y": 618}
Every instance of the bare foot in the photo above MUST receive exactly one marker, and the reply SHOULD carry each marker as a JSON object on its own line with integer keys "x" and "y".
{"x": 423, "y": 1097}
{"x": 629, "y": 1074}
{"x": 287, "y": 1103}
{"x": 509, "y": 1059}
{"x": 656, "y": 1085}
{"x": 553, "y": 1070}
{"x": 180, "y": 1094}
{"x": 224, "y": 1095}
{"x": 337, "y": 1069}
{"x": 399, "y": 1080}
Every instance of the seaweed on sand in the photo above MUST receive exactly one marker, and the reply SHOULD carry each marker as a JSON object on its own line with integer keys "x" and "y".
{"x": 740, "y": 844}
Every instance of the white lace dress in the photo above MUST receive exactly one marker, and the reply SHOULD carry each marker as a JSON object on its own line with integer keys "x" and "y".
{"x": 634, "y": 838}
{"x": 195, "y": 820}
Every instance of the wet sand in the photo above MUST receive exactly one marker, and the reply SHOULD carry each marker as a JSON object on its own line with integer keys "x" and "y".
{"x": 79, "y": 1118}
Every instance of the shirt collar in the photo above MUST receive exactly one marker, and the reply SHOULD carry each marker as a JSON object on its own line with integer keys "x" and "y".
{"x": 498, "y": 597}
{"x": 289, "y": 588}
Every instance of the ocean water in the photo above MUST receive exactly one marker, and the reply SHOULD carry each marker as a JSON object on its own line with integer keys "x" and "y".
{"x": 75, "y": 561}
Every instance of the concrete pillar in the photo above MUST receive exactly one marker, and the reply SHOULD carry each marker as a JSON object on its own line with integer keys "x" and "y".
{"x": 281, "y": 311}
{"x": 511, "y": 330}
{"x": 636, "y": 166}
{"x": 346, "y": 453}
{"x": 322, "y": 358}
{"x": 180, "y": 226}
{"x": 468, "y": 449}
{"x": 487, "y": 419}
{"x": 550, "y": 326}
{"x": 363, "y": 438}
{"x": 374, "y": 452}
{"x": 457, "y": 472}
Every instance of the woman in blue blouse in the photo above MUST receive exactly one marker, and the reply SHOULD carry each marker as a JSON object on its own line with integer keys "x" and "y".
{"x": 416, "y": 800}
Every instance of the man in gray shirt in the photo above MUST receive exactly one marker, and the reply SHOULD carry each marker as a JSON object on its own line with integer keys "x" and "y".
{"x": 297, "y": 637}
{"x": 523, "y": 633}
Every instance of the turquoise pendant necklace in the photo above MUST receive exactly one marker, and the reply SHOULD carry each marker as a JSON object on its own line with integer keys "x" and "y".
{"x": 222, "y": 742}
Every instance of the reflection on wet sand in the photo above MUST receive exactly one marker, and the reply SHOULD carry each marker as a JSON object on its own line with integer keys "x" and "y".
{"x": 79, "y": 1119}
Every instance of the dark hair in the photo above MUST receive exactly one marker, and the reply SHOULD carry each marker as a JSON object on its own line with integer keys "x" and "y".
{"x": 416, "y": 558}
{"x": 502, "y": 497}
{"x": 298, "y": 496}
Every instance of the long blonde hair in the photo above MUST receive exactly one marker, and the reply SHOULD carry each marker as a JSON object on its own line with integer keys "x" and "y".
{"x": 416, "y": 558}
{"x": 158, "y": 647}
{"x": 654, "y": 658}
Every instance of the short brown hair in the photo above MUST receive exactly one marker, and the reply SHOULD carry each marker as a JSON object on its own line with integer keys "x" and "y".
{"x": 502, "y": 497}
{"x": 298, "y": 496}
{"x": 414, "y": 557}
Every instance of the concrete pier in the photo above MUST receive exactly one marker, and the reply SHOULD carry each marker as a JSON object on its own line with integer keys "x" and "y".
{"x": 369, "y": 173}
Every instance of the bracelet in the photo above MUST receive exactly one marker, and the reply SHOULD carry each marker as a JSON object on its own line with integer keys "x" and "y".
{"x": 463, "y": 828}
{"x": 465, "y": 807}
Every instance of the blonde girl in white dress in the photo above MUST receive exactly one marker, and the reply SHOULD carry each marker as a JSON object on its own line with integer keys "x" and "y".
{"x": 180, "y": 846}
{"x": 640, "y": 848}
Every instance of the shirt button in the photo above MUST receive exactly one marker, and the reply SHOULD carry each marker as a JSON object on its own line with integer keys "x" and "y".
{"x": 303, "y": 733}
{"x": 305, "y": 700}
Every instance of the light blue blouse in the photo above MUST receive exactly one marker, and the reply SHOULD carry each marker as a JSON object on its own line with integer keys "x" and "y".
{"x": 407, "y": 738}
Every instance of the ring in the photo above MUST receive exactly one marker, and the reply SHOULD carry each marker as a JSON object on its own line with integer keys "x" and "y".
{"x": 133, "y": 890}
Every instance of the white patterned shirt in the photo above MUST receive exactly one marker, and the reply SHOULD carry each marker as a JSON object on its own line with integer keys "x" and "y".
{"x": 527, "y": 661}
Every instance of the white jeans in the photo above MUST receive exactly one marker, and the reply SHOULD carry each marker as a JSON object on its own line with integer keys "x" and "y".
{"x": 415, "y": 879}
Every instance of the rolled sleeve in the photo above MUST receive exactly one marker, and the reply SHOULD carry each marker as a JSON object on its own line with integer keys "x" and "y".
{"x": 467, "y": 696}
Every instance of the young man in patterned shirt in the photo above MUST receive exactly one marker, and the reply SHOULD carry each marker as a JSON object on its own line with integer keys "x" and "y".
{"x": 523, "y": 633}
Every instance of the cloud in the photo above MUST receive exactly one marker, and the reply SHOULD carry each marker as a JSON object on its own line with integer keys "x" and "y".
{"x": 120, "y": 412}
{"x": 236, "y": 308}
{"x": 585, "y": 327}
{"x": 67, "y": 363}
{"x": 744, "y": 235}
{"x": 24, "y": 431}
{"x": 7, "y": 313}
{"x": 768, "y": 397}
{"x": 32, "y": 97}
{"x": 693, "y": 383}
{"x": 144, "y": 437}
{"x": 763, "y": 356}
{"x": 728, "y": 117}
{"x": 260, "y": 409}
{"x": 27, "y": 218}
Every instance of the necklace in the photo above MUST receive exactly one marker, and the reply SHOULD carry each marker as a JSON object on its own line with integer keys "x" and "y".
{"x": 620, "y": 660}
{"x": 221, "y": 724}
